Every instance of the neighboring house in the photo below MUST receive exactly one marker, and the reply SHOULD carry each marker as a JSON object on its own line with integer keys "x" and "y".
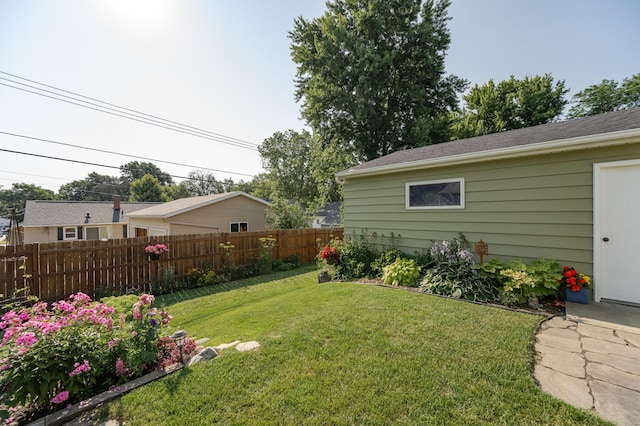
{"x": 49, "y": 221}
{"x": 228, "y": 212}
{"x": 568, "y": 191}
{"x": 329, "y": 216}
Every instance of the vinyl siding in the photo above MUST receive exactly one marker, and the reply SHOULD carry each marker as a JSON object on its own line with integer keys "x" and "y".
{"x": 221, "y": 214}
{"x": 529, "y": 207}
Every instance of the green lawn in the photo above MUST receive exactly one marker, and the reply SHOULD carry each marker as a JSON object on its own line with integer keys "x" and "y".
{"x": 345, "y": 353}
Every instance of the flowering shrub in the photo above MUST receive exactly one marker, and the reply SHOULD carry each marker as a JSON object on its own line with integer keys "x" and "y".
{"x": 573, "y": 280}
{"x": 169, "y": 353}
{"x": 156, "y": 250}
{"x": 60, "y": 354}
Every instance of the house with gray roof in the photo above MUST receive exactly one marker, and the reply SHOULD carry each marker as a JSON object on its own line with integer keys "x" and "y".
{"x": 567, "y": 191}
{"x": 227, "y": 212}
{"x": 48, "y": 221}
{"x": 329, "y": 216}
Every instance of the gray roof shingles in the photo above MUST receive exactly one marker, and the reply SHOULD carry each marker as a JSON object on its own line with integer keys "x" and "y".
{"x": 58, "y": 213}
{"x": 598, "y": 124}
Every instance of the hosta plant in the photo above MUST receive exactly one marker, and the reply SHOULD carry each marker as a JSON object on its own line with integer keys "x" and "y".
{"x": 404, "y": 272}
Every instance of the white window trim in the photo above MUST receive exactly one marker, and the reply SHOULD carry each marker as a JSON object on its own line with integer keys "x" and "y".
{"x": 64, "y": 232}
{"x": 238, "y": 223}
{"x": 433, "y": 182}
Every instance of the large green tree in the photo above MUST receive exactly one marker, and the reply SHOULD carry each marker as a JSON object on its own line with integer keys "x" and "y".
{"x": 510, "y": 104}
{"x": 201, "y": 182}
{"x": 371, "y": 75}
{"x": 606, "y": 96}
{"x": 95, "y": 187}
{"x": 286, "y": 158}
{"x": 17, "y": 196}
{"x": 147, "y": 188}
{"x": 135, "y": 170}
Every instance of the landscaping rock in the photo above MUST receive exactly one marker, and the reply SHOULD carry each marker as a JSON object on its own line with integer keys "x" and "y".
{"x": 226, "y": 345}
{"x": 205, "y": 354}
{"x": 247, "y": 346}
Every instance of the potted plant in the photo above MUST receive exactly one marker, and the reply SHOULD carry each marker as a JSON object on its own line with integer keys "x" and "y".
{"x": 154, "y": 251}
{"x": 330, "y": 254}
{"x": 575, "y": 284}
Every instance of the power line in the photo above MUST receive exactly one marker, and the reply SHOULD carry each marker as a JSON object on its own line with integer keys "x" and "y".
{"x": 129, "y": 116}
{"x": 124, "y": 108}
{"x": 121, "y": 154}
{"x": 75, "y": 161}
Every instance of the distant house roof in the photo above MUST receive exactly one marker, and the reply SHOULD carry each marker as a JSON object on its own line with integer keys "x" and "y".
{"x": 599, "y": 130}
{"x": 330, "y": 213}
{"x": 184, "y": 205}
{"x": 59, "y": 213}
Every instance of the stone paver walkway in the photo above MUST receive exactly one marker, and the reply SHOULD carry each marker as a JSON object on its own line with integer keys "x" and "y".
{"x": 596, "y": 367}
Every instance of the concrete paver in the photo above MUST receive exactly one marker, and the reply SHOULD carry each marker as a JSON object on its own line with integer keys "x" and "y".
{"x": 599, "y": 333}
{"x": 610, "y": 398}
{"x": 570, "y": 389}
{"x": 570, "y": 363}
{"x": 594, "y": 365}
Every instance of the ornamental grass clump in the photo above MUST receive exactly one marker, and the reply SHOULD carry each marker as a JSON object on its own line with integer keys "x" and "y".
{"x": 51, "y": 356}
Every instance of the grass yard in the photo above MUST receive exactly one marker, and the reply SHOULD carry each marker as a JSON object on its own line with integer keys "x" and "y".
{"x": 345, "y": 353}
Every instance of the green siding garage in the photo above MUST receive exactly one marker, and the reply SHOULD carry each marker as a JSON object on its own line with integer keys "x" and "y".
{"x": 527, "y": 193}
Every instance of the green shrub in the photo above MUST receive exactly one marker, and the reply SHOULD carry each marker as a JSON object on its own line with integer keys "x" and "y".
{"x": 356, "y": 258}
{"x": 403, "y": 272}
{"x": 385, "y": 259}
{"x": 519, "y": 280}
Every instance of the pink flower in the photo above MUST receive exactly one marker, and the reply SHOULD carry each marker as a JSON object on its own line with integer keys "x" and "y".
{"x": 61, "y": 397}
{"x": 121, "y": 370}
{"x": 136, "y": 313}
{"x": 80, "y": 368}
{"x": 113, "y": 342}
{"x": 146, "y": 299}
{"x": 26, "y": 339}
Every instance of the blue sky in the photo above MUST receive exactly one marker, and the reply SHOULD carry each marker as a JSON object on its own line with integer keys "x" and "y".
{"x": 225, "y": 67}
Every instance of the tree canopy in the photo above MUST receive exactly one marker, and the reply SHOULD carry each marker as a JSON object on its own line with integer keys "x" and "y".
{"x": 510, "y": 104}
{"x": 371, "y": 75}
{"x": 147, "y": 188}
{"x": 17, "y": 196}
{"x": 135, "y": 170}
{"x": 286, "y": 157}
{"x": 95, "y": 187}
{"x": 606, "y": 96}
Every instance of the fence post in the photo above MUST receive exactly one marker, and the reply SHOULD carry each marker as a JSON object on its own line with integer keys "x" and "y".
{"x": 34, "y": 287}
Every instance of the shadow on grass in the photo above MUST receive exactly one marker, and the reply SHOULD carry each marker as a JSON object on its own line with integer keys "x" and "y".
{"x": 194, "y": 293}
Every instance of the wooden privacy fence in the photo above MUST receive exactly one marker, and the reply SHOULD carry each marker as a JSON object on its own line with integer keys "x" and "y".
{"x": 53, "y": 271}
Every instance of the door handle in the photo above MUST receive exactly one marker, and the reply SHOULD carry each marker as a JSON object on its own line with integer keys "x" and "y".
{"x": 605, "y": 239}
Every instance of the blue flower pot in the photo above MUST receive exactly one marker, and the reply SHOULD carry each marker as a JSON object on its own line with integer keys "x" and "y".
{"x": 581, "y": 296}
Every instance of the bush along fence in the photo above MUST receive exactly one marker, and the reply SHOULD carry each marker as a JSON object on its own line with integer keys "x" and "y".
{"x": 53, "y": 271}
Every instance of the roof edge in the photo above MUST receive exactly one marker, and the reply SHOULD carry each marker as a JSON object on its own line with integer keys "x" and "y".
{"x": 140, "y": 213}
{"x": 581, "y": 142}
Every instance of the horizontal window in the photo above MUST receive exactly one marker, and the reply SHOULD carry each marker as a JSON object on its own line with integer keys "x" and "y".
{"x": 435, "y": 194}
{"x": 239, "y": 227}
